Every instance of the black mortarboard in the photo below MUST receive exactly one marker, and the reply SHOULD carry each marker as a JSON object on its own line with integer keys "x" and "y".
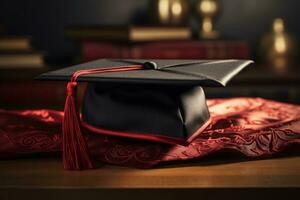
{"x": 158, "y": 100}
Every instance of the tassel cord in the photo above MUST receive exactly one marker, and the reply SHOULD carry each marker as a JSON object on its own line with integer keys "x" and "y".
{"x": 76, "y": 155}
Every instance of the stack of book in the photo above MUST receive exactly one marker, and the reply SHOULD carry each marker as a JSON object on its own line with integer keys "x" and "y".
{"x": 152, "y": 42}
{"x": 19, "y": 64}
{"x": 16, "y": 52}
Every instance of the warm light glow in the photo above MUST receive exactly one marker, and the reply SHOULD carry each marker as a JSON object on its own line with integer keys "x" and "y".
{"x": 280, "y": 48}
{"x": 176, "y": 8}
{"x": 163, "y": 10}
{"x": 278, "y": 25}
{"x": 207, "y": 25}
{"x": 280, "y": 44}
{"x": 208, "y": 7}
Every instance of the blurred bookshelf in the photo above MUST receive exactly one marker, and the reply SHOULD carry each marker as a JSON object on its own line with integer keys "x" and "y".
{"x": 19, "y": 89}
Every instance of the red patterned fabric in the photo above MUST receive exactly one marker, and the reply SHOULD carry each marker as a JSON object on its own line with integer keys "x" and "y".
{"x": 253, "y": 126}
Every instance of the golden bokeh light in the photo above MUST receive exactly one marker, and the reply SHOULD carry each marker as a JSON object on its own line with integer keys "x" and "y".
{"x": 163, "y": 10}
{"x": 208, "y": 7}
{"x": 280, "y": 43}
{"x": 171, "y": 11}
{"x": 176, "y": 8}
{"x": 278, "y": 25}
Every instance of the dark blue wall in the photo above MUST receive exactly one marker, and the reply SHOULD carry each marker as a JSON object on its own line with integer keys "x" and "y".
{"x": 45, "y": 20}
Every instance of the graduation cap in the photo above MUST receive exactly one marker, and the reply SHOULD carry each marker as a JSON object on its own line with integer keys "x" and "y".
{"x": 156, "y": 100}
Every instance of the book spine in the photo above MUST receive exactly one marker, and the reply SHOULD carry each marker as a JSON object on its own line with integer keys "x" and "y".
{"x": 92, "y": 51}
{"x": 167, "y": 50}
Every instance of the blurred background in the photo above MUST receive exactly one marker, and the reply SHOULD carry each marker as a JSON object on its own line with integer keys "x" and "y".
{"x": 37, "y": 36}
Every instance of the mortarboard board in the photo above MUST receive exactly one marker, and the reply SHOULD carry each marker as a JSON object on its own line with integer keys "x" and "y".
{"x": 157, "y": 100}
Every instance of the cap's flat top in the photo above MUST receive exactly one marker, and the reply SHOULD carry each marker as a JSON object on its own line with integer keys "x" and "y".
{"x": 174, "y": 72}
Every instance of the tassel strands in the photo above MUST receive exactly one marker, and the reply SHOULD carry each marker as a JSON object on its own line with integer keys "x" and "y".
{"x": 76, "y": 155}
{"x": 75, "y": 151}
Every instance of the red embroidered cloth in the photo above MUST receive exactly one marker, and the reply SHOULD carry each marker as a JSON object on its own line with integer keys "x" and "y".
{"x": 253, "y": 126}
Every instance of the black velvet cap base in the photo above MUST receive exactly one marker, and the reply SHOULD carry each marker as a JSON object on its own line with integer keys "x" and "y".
{"x": 165, "y": 100}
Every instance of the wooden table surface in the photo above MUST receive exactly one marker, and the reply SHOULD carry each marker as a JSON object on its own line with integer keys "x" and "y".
{"x": 211, "y": 177}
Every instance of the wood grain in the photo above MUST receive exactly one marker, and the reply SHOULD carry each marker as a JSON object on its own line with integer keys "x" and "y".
{"x": 48, "y": 173}
{"x": 219, "y": 177}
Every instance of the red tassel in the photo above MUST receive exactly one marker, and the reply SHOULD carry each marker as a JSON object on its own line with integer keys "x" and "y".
{"x": 76, "y": 155}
